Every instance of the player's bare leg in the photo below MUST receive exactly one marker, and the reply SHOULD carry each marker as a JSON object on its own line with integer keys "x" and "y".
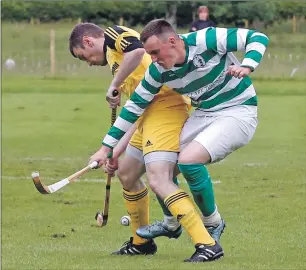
{"x": 169, "y": 226}
{"x": 136, "y": 198}
{"x": 206, "y": 140}
{"x": 160, "y": 174}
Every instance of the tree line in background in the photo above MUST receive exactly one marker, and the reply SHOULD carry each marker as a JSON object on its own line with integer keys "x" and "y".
{"x": 181, "y": 13}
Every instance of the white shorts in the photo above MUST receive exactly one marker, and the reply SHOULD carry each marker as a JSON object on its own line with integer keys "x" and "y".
{"x": 222, "y": 132}
{"x": 166, "y": 156}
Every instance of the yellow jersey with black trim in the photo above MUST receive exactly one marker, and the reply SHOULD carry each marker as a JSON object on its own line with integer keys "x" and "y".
{"x": 120, "y": 40}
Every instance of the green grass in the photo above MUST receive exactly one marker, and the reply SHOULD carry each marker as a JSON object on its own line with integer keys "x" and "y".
{"x": 94, "y": 85}
{"x": 29, "y": 46}
{"x": 54, "y": 125}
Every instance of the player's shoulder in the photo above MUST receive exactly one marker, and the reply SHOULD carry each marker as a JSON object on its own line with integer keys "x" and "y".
{"x": 198, "y": 37}
{"x": 113, "y": 32}
{"x": 112, "y": 35}
{"x": 116, "y": 30}
{"x": 122, "y": 39}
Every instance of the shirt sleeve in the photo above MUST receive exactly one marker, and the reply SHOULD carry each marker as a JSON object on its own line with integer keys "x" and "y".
{"x": 120, "y": 40}
{"x": 110, "y": 38}
{"x": 132, "y": 43}
{"x": 135, "y": 106}
{"x": 223, "y": 40}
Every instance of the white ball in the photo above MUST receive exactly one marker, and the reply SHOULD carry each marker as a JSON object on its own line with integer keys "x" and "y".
{"x": 9, "y": 64}
{"x": 125, "y": 220}
{"x": 99, "y": 220}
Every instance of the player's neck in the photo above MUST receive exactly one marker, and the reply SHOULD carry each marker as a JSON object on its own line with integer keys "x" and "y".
{"x": 181, "y": 50}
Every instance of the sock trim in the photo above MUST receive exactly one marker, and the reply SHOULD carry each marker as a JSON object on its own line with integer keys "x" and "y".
{"x": 175, "y": 197}
{"x": 135, "y": 197}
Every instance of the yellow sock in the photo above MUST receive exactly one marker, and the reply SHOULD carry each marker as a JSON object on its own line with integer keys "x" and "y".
{"x": 181, "y": 207}
{"x": 137, "y": 204}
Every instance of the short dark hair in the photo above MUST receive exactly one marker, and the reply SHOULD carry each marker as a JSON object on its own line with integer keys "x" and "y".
{"x": 156, "y": 28}
{"x": 81, "y": 30}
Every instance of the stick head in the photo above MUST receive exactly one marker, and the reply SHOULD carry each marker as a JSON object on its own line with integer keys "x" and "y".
{"x": 39, "y": 185}
{"x": 35, "y": 175}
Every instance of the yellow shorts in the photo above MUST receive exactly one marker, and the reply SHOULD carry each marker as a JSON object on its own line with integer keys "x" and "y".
{"x": 159, "y": 130}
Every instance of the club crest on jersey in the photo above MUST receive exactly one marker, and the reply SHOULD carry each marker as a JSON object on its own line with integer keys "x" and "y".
{"x": 198, "y": 61}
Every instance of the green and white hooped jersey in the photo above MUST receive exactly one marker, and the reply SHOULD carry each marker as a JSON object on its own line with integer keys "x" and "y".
{"x": 202, "y": 76}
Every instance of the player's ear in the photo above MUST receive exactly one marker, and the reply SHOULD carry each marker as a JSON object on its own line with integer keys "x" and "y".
{"x": 87, "y": 42}
{"x": 172, "y": 41}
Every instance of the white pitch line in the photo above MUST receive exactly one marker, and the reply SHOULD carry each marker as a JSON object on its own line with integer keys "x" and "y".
{"x": 50, "y": 158}
{"x": 69, "y": 159}
{"x": 255, "y": 164}
{"x": 90, "y": 180}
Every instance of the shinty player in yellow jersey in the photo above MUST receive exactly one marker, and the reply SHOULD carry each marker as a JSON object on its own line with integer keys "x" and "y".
{"x": 156, "y": 136}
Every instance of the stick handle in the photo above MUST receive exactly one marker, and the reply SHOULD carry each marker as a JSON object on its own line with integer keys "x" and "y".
{"x": 113, "y": 119}
{"x": 107, "y": 196}
{"x": 82, "y": 171}
{"x": 109, "y": 176}
{"x": 114, "y": 110}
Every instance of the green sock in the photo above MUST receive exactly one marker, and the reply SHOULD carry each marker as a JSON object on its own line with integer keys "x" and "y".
{"x": 162, "y": 204}
{"x": 200, "y": 185}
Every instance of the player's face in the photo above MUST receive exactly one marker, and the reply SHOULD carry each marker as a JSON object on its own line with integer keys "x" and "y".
{"x": 92, "y": 53}
{"x": 162, "y": 51}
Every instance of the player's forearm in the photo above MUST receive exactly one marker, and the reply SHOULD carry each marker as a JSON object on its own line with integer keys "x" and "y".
{"x": 130, "y": 62}
{"x": 223, "y": 40}
{"x": 123, "y": 143}
{"x": 252, "y": 42}
{"x": 128, "y": 116}
{"x": 255, "y": 48}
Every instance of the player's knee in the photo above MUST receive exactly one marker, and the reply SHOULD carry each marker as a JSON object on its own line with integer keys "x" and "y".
{"x": 160, "y": 175}
{"x": 194, "y": 153}
{"x": 125, "y": 179}
{"x": 184, "y": 159}
{"x": 154, "y": 183}
{"x": 186, "y": 156}
{"x": 156, "y": 180}
{"x": 121, "y": 174}
{"x": 159, "y": 182}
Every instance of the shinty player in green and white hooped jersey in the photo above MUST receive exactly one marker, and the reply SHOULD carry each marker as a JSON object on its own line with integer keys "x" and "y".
{"x": 199, "y": 65}
{"x": 203, "y": 76}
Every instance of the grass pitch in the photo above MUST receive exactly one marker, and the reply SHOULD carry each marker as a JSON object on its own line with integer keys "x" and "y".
{"x": 29, "y": 46}
{"x": 55, "y": 125}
